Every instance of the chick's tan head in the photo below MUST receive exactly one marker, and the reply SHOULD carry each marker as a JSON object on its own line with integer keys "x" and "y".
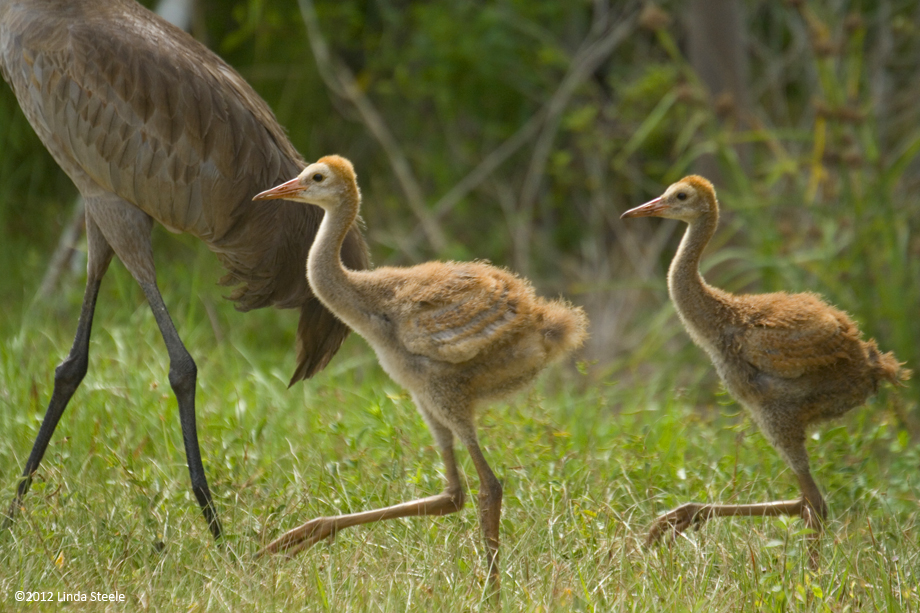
{"x": 686, "y": 200}
{"x": 326, "y": 183}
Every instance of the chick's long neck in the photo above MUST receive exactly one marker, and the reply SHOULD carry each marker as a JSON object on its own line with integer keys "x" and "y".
{"x": 701, "y": 307}
{"x": 328, "y": 277}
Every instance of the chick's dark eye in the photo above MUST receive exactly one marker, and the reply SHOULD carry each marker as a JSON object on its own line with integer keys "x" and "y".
{"x": 680, "y": 195}
{"x": 317, "y": 177}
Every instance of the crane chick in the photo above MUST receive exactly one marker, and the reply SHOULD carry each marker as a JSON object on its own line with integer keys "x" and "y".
{"x": 453, "y": 334}
{"x": 790, "y": 359}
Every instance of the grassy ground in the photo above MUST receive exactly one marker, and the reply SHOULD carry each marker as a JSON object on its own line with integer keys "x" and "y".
{"x": 587, "y": 459}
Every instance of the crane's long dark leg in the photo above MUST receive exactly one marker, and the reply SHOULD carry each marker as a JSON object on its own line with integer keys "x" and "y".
{"x": 69, "y": 374}
{"x": 127, "y": 230}
{"x": 183, "y": 375}
{"x": 449, "y": 501}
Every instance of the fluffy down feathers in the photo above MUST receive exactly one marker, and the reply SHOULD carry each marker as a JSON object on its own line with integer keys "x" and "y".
{"x": 452, "y": 311}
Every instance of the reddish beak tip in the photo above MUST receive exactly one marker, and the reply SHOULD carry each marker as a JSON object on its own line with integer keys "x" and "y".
{"x": 287, "y": 189}
{"x": 649, "y": 209}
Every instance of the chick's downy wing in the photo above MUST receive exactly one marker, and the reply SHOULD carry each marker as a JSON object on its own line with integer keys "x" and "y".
{"x": 467, "y": 309}
{"x": 797, "y": 334}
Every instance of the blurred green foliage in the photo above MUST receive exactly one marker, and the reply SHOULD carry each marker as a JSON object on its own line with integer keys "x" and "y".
{"x": 817, "y": 168}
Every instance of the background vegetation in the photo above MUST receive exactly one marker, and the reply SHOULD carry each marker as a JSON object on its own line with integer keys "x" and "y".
{"x": 518, "y": 132}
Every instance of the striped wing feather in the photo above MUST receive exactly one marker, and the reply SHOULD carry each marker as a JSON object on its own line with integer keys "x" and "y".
{"x": 462, "y": 309}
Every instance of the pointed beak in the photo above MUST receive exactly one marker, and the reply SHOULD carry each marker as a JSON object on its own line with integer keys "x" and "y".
{"x": 288, "y": 189}
{"x": 652, "y": 208}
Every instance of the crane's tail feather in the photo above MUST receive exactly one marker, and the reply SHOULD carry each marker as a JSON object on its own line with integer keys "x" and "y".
{"x": 320, "y": 334}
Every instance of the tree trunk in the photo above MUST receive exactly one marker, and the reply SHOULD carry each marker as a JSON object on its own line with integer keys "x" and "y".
{"x": 718, "y": 54}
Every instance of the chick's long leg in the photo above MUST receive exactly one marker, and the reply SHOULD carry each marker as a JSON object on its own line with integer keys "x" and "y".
{"x": 490, "y": 509}
{"x": 449, "y": 501}
{"x": 811, "y": 506}
{"x": 695, "y": 513}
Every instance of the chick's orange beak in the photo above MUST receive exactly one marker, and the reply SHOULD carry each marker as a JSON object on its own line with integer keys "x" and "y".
{"x": 287, "y": 189}
{"x": 651, "y": 208}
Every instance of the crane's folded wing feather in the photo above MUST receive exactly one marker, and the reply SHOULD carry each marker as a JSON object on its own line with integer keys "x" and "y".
{"x": 148, "y": 113}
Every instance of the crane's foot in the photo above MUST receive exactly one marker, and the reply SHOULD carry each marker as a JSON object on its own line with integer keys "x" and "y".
{"x": 294, "y": 541}
{"x": 676, "y": 521}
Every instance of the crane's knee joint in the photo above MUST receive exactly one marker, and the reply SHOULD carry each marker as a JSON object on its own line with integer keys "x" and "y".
{"x": 182, "y": 376}
{"x": 70, "y": 372}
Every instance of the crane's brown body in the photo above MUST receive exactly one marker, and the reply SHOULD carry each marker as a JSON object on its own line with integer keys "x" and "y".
{"x": 453, "y": 334}
{"x": 790, "y": 359}
{"x": 153, "y": 127}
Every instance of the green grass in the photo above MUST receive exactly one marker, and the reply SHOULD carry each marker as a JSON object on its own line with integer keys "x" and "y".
{"x": 587, "y": 460}
{"x": 827, "y": 202}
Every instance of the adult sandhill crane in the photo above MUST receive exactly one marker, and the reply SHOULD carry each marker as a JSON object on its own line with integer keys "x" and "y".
{"x": 790, "y": 359}
{"x": 152, "y": 126}
{"x": 453, "y": 334}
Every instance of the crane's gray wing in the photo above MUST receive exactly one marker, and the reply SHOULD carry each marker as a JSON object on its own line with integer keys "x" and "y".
{"x": 131, "y": 105}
